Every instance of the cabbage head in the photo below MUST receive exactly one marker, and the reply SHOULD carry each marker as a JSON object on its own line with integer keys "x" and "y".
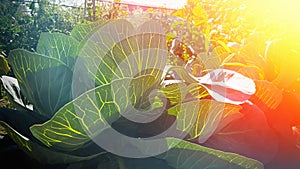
{"x": 100, "y": 98}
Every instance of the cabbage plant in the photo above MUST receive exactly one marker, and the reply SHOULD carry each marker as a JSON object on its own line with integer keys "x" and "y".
{"x": 102, "y": 97}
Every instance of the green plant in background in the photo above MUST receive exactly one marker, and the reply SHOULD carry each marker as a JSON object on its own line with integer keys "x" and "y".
{"x": 111, "y": 76}
{"x": 221, "y": 21}
{"x": 21, "y": 22}
{"x": 97, "y": 10}
{"x": 4, "y": 69}
{"x": 211, "y": 28}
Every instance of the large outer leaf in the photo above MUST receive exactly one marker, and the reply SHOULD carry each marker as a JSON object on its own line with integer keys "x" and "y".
{"x": 91, "y": 113}
{"x": 81, "y": 31}
{"x": 250, "y": 136}
{"x": 117, "y": 50}
{"x": 175, "y": 158}
{"x": 201, "y": 118}
{"x": 267, "y": 94}
{"x": 19, "y": 139}
{"x": 180, "y": 154}
{"x": 20, "y": 120}
{"x": 59, "y": 46}
{"x": 44, "y": 81}
{"x": 41, "y": 153}
{"x": 186, "y": 155}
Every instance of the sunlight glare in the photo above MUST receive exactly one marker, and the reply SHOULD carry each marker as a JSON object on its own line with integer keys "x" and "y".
{"x": 278, "y": 13}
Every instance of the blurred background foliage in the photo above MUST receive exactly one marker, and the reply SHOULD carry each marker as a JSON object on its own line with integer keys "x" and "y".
{"x": 22, "y": 22}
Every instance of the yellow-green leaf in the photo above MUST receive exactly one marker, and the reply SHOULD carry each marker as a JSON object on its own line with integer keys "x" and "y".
{"x": 75, "y": 124}
{"x": 201, "y": 118}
